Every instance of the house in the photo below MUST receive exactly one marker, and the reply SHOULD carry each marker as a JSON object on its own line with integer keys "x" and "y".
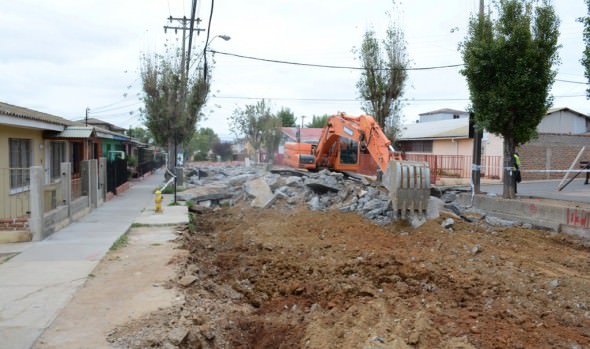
{"x": 441, "y": 137}
{"x": 443, "y": 114}
{"x": 22, "y": 145}
{"x": 561, "y": 135}
{"x": 564, "y": 121}
{"x": 52, "y": 171}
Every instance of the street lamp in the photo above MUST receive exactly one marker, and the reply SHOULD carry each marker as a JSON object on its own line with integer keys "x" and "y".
{"x": 224, "y": 37}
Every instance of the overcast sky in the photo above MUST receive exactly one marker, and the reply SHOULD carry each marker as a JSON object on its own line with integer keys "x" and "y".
{"x": 61, "y": 57}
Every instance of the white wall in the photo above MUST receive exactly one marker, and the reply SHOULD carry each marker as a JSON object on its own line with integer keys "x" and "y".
{"x": 562, "y": 122}
{"x": 442, "y": 116}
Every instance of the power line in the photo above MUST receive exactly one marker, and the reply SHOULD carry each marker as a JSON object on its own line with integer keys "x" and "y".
{"x": 572, "y": 82}
{"x": 359, "y": 100}
{"x": 324, "y": 65}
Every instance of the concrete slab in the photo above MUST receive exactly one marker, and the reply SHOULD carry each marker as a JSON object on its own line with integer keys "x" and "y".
{"x": 58, "y": 272}
{"x": 19, "y": 337}
{"x": 35, "y": 305}
{"x": 172, "y": 215}
{"x": 261, "y": 192}
{"x": 15, "y": 247}
{"x": 65, "y": 252}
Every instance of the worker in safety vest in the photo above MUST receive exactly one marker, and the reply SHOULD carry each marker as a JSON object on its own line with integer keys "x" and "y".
{"x": 516, "y": 170}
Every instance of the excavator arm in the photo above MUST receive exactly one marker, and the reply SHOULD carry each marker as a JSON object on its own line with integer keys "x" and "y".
{"x": 342, "y": 141}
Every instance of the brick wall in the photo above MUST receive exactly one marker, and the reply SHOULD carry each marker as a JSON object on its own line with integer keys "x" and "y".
{"x": 21, "y": 223}
{"x": 552, "y": 152}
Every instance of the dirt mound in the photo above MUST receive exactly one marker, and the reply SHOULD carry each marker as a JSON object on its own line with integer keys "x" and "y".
{"x": 280, "y": 278}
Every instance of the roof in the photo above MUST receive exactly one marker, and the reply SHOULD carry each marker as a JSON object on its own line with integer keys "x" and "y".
{"x": 451, "y": 128}
{"x": 74, "y": 132}
{"x": 25, "y": 113}
{"x": 565, "y": 109}
{"x": 307, "y": 134}
{"x": 445, "y": 111}
{"x": 94, "y": 121}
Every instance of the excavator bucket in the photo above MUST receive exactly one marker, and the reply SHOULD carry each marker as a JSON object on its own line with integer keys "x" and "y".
{"x": 408, "y": 183}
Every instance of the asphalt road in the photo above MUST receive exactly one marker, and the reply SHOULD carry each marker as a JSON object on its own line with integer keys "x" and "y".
{"x": 576, "y": 191}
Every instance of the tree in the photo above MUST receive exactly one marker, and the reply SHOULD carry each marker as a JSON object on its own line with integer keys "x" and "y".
{"x": 318, "y": 121}
{"x": 508, "y": 66}
{"x": 224, "y": 150}
{"x": 141, "y": 134}
{"x": 586, "y": 54}
{"x": 271, "y": 135}
{"x": 287, "y": 117}
{"x": 384, "y": 74}
{"x": 201, "y": 142}
{"x": 173, "y": 100}
{"x": 249, "y": 123}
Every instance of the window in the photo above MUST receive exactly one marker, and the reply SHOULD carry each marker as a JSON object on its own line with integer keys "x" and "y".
{"x": 58, "y": 155}
{"x": 455, "y": 116}
{"x": 348, "y": 151}
{"x": 417, "y": 146}
{"x": 20, "y": 159}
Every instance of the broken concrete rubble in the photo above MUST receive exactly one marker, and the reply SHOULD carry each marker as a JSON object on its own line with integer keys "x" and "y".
{"x": 319, "y": 191}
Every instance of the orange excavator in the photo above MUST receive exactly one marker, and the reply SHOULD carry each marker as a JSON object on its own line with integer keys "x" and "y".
{"x": 345, "y": 139}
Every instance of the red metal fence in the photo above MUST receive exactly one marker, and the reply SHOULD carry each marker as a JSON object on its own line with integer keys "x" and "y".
{"x": 458, "y": 166}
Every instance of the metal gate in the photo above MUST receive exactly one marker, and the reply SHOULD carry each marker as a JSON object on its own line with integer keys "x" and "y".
{"x": 117, "y": 174}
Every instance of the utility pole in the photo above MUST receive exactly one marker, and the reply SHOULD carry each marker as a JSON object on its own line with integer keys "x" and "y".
{"x": 477, "y": 133}
{"x": 186, "y": 24}
{"x": 86, "y": 119}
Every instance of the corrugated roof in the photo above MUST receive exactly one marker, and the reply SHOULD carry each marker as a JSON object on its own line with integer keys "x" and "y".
{"x": 74, "y": 132}
{"x": 445, "y": 111}
{"x": 24, "y": 113}
{"x": 554, "y": 110}
{"x": 98, "y": 122}
{"x": 452, "y": 128}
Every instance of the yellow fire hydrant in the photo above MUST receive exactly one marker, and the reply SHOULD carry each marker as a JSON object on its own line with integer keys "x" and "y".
{"x": 158, "y": 201}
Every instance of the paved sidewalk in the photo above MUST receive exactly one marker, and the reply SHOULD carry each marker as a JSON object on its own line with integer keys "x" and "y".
{"x": 37, "y": 283}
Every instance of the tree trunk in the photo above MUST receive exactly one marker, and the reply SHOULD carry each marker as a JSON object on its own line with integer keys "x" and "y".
{"x": 509, "y": 177}
{"x": 171, "y": 154}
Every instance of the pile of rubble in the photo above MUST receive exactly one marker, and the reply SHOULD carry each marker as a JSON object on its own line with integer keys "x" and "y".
{"x": 320, "y": 191}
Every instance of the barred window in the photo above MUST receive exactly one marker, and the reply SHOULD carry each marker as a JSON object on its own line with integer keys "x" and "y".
{"x": 58, "y": 155}
{"x": 20, "y": 159}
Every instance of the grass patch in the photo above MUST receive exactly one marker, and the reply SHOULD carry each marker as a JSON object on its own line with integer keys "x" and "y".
{"x": 121, "y": 242}
{"x": 170, "y": 189}
{"x": 156, "y": 244}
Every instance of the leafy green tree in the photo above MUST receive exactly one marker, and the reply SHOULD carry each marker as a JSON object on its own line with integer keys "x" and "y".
{"x": 318, "y": 121}
{"x": 249, "y": 123}
{"x": 287, "y": 117}
{"x": 224, "y": 150}
{"x": 201, "y": 142}
{"x": 384, "y": 73}
{"x": 271, "y": 135}
{"x": 586, "y": 54}
{"x": 141, "y": 134}
{"x": 173, "y": 100}
{"x": 508, "y": 66}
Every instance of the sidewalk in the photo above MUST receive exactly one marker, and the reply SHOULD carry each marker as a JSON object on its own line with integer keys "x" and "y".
{"x": 36, "y": 284}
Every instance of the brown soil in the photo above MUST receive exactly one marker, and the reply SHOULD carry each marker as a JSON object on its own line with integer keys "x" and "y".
{"x": 281, "y": 278}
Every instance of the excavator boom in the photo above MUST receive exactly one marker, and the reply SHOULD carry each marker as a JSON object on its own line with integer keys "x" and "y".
{"x": 345, "y": 139}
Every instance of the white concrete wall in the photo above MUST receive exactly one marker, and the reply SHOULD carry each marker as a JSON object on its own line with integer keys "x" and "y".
{"x": 452, "y": 147}
{"x": 441, "y": 116}
{"x": 562, "y": 122}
